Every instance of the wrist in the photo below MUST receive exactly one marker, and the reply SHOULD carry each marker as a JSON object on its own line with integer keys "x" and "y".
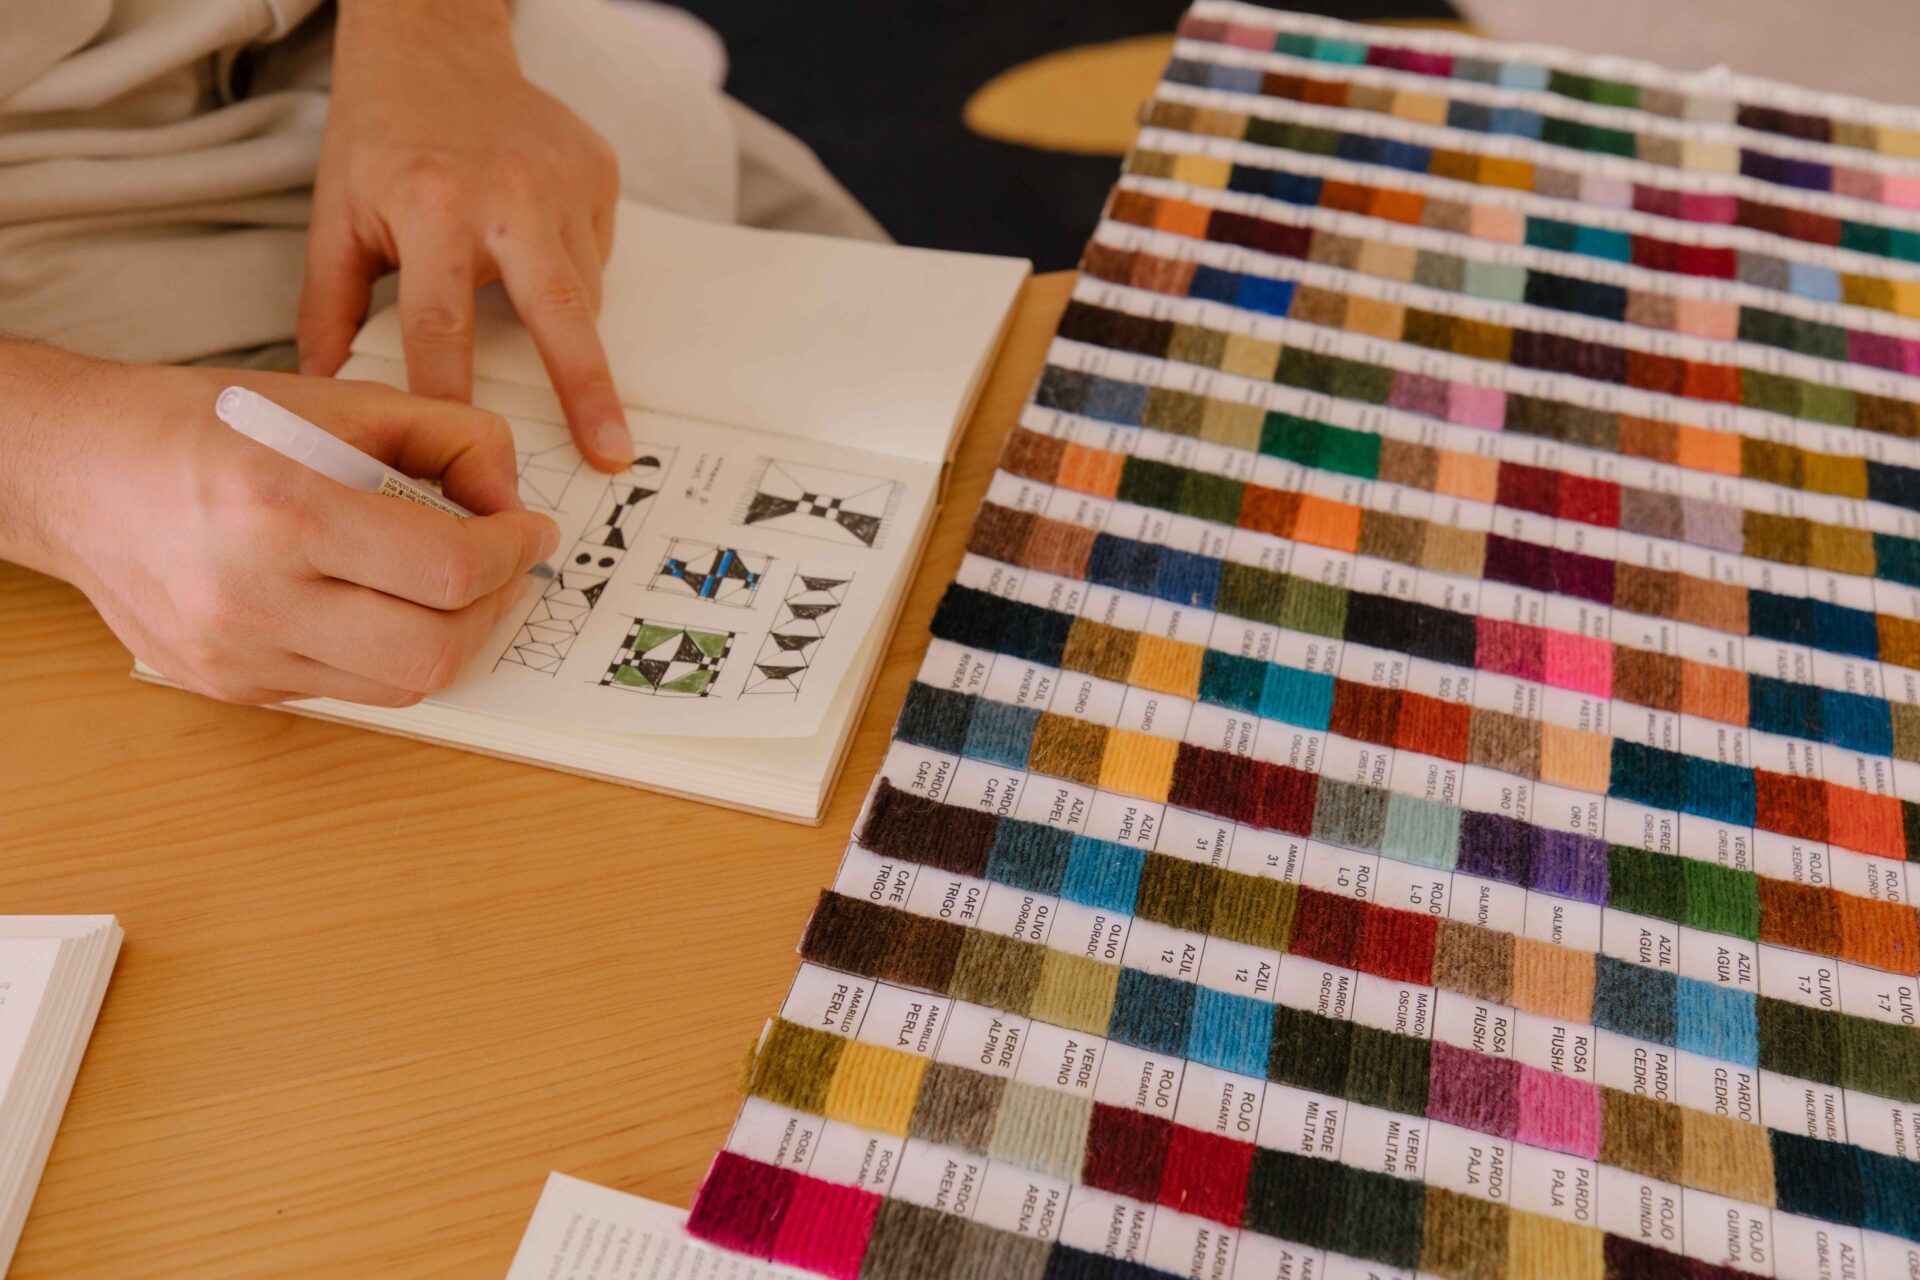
{"x": 428, "y": 22}
{"x": 50, "y": 435}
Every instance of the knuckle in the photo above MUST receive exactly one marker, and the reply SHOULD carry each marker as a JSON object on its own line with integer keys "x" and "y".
{"x": 436, "y": 665}
{"x": 457, "y": 581}
{"x": 313, "y": 313}
{"x": 225, "y": 687}
{"x": 432, "y": 187}
{"x": 594, "y": 383}
{"x": 520, "y": 176}
{"x": 256, "y": 489}
{"x": 566, "y": 298}
{"x": 223, "y": 613}
{"x": 204, "y": 657}
{"x": 492, "y": 432}
{"x": 439, "y": 323}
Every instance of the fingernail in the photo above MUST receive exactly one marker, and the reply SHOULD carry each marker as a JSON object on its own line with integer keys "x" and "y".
{"x": 613, "y": 440}
{"x": 549, "y": 541}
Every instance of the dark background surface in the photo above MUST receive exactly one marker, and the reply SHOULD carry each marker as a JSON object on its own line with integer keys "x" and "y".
{"x": 876, "y": 88}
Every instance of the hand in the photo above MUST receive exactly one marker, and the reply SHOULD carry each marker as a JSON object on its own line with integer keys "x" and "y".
{"x": 441, "y": 160}
{"x": 246, "y": 576}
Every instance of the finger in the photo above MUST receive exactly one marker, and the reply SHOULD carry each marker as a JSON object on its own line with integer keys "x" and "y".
{"x": 390, "y": 642}
{"x": 584, "y": 252}
{"x": 436, "y": 310}
{"x": 246, "y": 695}
{"x": 557, "y": 309}
{"x": 469, "y": 451}
{"x": 306, "y": 678}
{"x": 222, "y": 687}
{"x": 603, "y": 224}
{"x": 418, "y": 555}
{"x": 333, "y": 297}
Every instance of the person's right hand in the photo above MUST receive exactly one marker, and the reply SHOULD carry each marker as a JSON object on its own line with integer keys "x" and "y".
{"x": 243, "y": 575}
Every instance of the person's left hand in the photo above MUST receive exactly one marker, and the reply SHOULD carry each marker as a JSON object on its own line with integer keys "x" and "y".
{"x": 441, "y": 160}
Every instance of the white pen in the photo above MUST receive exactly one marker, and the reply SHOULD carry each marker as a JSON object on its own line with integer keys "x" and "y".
{"x": 293, "y": 437}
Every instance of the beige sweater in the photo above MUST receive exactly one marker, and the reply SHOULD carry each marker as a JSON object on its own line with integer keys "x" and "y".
{"x": 156, "y": 160}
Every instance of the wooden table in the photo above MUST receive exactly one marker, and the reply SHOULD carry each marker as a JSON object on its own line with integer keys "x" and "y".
{"x": 372, "y": 991}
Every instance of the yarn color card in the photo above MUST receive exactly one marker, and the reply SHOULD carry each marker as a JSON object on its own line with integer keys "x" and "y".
{"x": 1417, "y": 772}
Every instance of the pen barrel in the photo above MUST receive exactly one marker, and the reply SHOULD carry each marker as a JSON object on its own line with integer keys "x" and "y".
{"x": 293, "y": 437}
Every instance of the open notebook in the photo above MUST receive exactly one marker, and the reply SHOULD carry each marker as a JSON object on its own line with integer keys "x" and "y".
{"x": 53, "y": 976}
{"x": 720, "y": 608}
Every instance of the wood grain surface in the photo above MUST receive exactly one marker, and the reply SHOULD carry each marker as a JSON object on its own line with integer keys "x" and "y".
{"x": 372, "y": 991}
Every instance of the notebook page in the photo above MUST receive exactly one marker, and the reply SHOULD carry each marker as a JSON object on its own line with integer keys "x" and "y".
{"x": 720, "y": 586}
{"x": 26, "y": 965}
{"x": 845, "y": 342}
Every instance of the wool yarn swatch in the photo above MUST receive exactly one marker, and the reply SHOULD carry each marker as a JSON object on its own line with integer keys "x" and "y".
{"x": 1417, "y": 772}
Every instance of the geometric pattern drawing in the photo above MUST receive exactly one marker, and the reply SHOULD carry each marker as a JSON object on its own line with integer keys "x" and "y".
{"x": 554, "y": 623}
{"x": 818, "y": 502}
{"x": 669, "y": 660}
{"x": 722, "y": 575}
{"x": 546, "y": 473}
{"x": 547, "y": 634}
{"x": 786, "y": 655}
{"x": 623, "y": 507}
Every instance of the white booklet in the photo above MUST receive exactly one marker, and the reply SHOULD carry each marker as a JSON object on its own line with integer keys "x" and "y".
{"x": 581, "y": 1231}
{"x": 53, "y": 975}
{"x": 720, "y": 608}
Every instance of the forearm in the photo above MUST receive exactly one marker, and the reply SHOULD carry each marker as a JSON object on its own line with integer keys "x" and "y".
{"x": 420, "y": 24}
{"x": 48, "y": 443}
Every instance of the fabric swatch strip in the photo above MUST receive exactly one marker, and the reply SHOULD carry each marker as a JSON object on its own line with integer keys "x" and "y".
{"x": 1455, "y": 546}
{"x": 1363, "y": 819}
{"x": 1365, "y": 143}
{"x": 1075, "y": 1137}
{"x": 1563, "y": 493}
{"x": 770, "y": 1211}
{"x": 1663, "y": 149}
{"x": 1662, "y": 682}
{"x": 1012, "y": 734}
{"x": 1790, "y": 804}
{"x": 1574, "y": 987}
{"x": 1651, "y": 91}
{"x": 1808, "y": 917}
{"x": 1417, "y": 770}
{"x": 1579, "y": 233}
{"x": 1462, "y": 335}
{"x": 1459, "y": 400}
{"x": 1492, "y": 281}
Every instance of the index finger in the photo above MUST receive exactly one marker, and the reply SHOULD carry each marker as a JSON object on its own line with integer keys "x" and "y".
{"x": 557, "y": 308}
{"x": 469, "y": 451}
{"x": 417, "y": 554}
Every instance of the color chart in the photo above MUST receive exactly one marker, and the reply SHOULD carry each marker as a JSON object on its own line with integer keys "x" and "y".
{"x": 1416, "y": 773}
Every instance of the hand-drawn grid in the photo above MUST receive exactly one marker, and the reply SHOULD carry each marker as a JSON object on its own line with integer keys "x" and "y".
{"x": 786, "y": 655}
{"x": 819, "y": 502}
{"x": 719, "y": 575}
{"x": 557, "y": 617}
{"x": 667, "y": 659}
{"x": 546, "y": 473}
